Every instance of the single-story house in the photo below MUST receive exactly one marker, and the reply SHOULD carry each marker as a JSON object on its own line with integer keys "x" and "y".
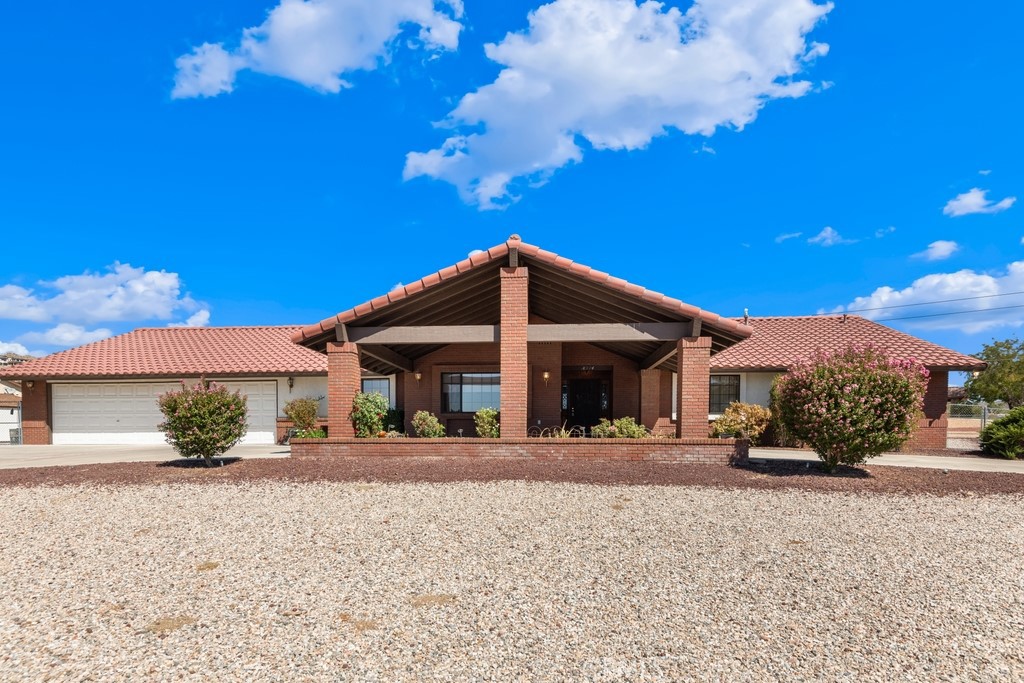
{"x": 547, "y": 340}
{"x": 745, "y": 372}
{"x": 106, "y": 392}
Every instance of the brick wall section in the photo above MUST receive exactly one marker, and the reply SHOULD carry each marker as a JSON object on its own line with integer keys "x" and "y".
{"x": 691, "y": 451}
{"x": 650, "y": 395}
{"x": 515, "y": 313}
{"x": 931, "y": 430}
{"x": 693, "y": 387}
{"x": 343, "y": 383}
{"x": 426, "y": 393}
{"x": 36, "y": 423}
{"x": 545, "y": 408}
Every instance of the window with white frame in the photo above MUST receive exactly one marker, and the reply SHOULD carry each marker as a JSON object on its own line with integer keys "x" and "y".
{"x": 725, "y": 389}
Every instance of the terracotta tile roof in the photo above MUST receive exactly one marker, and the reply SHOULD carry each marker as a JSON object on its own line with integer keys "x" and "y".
{"x": 778, "y": 343}
{"x": 326, "y": 326}
{"x": 181, "y": 351}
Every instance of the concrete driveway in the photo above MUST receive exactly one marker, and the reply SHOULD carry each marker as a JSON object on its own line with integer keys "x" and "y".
{"x": 12, "y": 457}
{"x": 903, "y": 460}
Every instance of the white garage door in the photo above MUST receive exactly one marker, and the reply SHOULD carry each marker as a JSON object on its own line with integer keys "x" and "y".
{"x": 127, "y": 412}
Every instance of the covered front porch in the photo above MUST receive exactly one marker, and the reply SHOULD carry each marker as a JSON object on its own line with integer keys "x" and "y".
{"x": 546, "y": 341}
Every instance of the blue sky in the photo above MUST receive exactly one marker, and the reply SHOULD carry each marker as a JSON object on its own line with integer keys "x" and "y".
{"x": 274, "y": 162}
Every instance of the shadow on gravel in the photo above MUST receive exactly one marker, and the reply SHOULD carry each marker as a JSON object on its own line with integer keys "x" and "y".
{"x": 198, "y": 463}
{"x": 803, "y": 468}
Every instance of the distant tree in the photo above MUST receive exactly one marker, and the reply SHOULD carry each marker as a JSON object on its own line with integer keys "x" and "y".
{"x": 1003, "y": 380}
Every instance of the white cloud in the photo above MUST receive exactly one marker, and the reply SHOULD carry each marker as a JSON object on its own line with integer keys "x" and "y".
{"x": 985, "y": 171}
{"x": 938, "y": 250}
{"x": 829, "y": 237}
{"x": 66, "y": 334}
{"x": 318, "y": 42}
{"x": 13, "y": 347}
{"x": 973, "y": 315}
{"x": 882, "y": 232}
{"x": 787, "y": 236}
{"x": 200, "y": 318}
{"x": 123, "y": 293}
{"x": 617, "y": 74}
{"x": 975, "y": 201}
{"x": 207, "y": 71}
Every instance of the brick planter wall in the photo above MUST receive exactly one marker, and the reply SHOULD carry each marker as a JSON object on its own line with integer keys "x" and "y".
{"x": 694, "y": 451}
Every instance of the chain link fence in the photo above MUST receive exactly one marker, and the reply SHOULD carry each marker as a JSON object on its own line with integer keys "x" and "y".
{"x": 975, "y": 415}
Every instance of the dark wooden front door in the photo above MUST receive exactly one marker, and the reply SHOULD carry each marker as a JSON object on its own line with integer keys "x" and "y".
{"x": 588, "y": 401}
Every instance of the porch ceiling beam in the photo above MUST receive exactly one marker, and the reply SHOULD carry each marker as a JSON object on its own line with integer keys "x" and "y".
{"x": 664, "y": 352}
{"x": 608, "y": 332}
{"x": 424, "y": 334}
{"x": 386, "y": 355}
{"x": 471, "y": 334}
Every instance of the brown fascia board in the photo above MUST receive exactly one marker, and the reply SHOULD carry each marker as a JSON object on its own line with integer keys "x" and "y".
{"x": 162, "y": 377}
{"x": 324, "y": 330}
{"x": 936, "y": 368}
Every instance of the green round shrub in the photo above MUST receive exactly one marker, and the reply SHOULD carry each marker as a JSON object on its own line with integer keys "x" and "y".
{"x": 368, "y": 413}
{"x": 1005, "y": 437}
{"x": 426, "y": 425}
{"x": 486, "y": 421}
{"x": 303, "y": 412}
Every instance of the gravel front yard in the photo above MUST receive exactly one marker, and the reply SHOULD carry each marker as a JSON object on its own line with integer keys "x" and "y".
{"x": 506, "y": 581}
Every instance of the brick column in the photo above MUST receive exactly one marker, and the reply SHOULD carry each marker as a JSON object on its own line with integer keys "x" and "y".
{"x": 515, "y": 314}
{"x": 650, "y": 393}
{"x": 693, "y": 387}
{"x": 343, "y": 383}
{"x": 932, "y": 428}
{"x": 36, "y": 422}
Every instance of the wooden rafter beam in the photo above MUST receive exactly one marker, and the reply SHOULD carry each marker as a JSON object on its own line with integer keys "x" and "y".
{"x": 386, "y": 355}
{"x": 664, "y": 352}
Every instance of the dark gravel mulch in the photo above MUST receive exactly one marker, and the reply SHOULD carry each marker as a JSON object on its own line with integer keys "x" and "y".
{"x": 770, "y": 475}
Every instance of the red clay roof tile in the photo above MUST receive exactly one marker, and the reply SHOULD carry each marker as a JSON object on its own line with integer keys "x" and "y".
{"x": 779, "y": 343}
{"x": 496, "y": 252}
{"x": 181, "y": 352}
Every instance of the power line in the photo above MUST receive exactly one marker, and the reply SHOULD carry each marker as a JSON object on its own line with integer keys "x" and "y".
{"x": 938, "y": 315}
{"x": 929, "y": 303}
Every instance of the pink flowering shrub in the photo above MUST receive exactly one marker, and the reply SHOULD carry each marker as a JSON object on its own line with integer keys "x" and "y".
{"x": 852, "y": 405}
{"x": 204, "y": 420}
{"x": 368, "y": 413}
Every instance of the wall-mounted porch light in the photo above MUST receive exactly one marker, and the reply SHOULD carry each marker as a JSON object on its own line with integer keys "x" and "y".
{"x": 546, "y": 376}
{"x": 291, "y": 383}
{"x": 30, "y": 383}
{"x": 417, "y": 375}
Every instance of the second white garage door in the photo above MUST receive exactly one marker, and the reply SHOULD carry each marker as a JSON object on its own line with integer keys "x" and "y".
{"x": 127, "y": 412}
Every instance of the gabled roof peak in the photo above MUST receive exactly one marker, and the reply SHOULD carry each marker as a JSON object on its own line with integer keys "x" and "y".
{"x": 617, "y": 287}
